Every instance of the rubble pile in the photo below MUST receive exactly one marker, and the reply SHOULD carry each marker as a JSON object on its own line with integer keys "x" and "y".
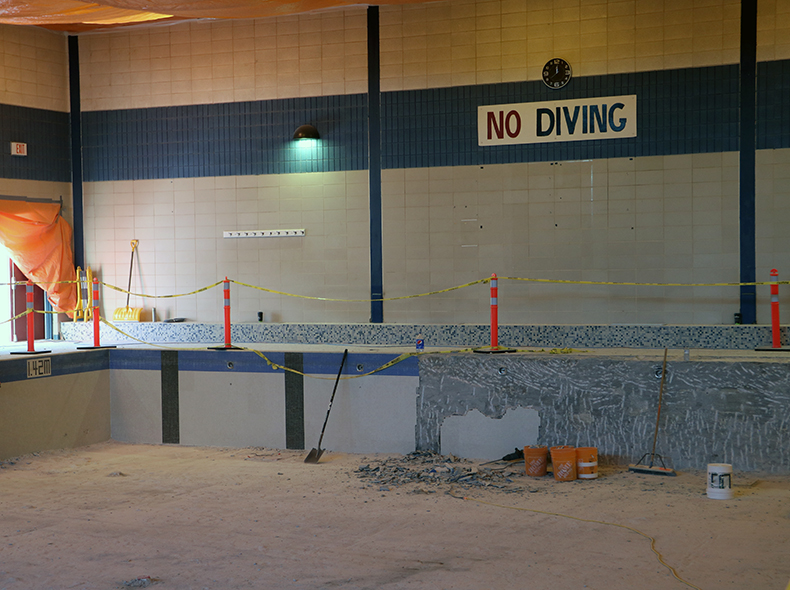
{"x": 426, "y": 468}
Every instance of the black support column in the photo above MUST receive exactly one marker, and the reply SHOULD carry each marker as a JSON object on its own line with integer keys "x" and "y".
{"x": 748, "y": 71}
{"x": 75, "y": 124}
{"x": 374, "y": 166}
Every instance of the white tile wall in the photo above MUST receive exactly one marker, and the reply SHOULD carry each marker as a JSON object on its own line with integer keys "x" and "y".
{"x": 657, "y": 220}
{"x": 773, "y": 30}
{"x": 773, "y": 217}
{"x": 225, "y": 61}
{"x": 480, "y": 41}
{"x": 34, "y": 68}
{"x": 179, "y": 224}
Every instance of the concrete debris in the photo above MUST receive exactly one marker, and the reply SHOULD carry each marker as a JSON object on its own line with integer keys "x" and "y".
{"x": 141, "y": 582}
{"x": 427, "y": 468}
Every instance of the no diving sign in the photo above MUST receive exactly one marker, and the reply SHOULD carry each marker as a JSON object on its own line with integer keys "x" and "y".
{"x": 551, "y": 121}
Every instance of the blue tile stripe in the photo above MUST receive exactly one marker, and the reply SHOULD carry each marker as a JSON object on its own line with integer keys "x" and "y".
{"x": 318, "y": 363}
{"x": 681, "y": 111}
{"x": 136, "y": 360}
{"x": 684, "y": 111}
{"x": 61, "y": 364}
{"x": 241, "y": 138}
{"x": 46, "y": 134}
{"x": 773, "y": 98}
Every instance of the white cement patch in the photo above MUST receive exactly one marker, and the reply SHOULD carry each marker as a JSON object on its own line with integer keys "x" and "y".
{"x": 475, "y": 436}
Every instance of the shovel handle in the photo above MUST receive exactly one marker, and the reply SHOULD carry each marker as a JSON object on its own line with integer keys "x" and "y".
{"x": 131, "y": 265}
{"x": 660, "y": 398}
{"x": 332, "y": 399}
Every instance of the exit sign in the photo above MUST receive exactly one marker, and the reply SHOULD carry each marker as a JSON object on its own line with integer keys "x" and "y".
{"x": 18, "y": 149}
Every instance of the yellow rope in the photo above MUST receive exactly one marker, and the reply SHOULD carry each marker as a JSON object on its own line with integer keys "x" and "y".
{"x": 114, "y": 288}
{"x": 569, "y": 282}
{"x": 16, "y": 317}
{"x": 387, "y": 365}
{"x": 622, "y": 526}
{"x": 275, "y": 292}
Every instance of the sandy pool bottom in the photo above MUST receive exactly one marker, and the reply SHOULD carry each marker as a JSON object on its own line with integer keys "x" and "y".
{"x": 117, "y": 515}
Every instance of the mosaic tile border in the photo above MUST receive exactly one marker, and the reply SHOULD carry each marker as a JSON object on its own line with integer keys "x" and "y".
{"x": 735, "y": 337}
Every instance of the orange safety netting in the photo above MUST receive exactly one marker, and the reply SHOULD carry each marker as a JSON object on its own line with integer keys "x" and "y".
{"x": 75, "y": 15}
{"x": 39, "y": 242}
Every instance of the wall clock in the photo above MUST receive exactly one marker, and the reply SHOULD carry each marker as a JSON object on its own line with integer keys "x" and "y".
{"x": 556, "y": 73}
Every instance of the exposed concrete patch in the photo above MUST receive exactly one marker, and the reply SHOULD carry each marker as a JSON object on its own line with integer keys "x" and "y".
{"x": 475, "y": 436}
{"x": 713, "y": 412}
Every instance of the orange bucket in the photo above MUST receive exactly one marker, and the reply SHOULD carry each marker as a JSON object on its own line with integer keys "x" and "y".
{"x": 563, "y": 459}
{"x": 586, "y": 462}
{"x": 535, "y": 459}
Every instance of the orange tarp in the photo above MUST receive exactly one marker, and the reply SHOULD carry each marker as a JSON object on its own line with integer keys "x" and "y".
{"x": 39, "y": 241}
{"x": 75, "y": 15}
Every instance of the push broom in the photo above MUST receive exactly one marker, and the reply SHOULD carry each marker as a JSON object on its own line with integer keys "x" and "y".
{"x": 651, "y": 468}
{"x": 129, "y": 314}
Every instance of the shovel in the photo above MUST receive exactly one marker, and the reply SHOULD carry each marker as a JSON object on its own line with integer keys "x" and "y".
{"x": 314, "y": 455}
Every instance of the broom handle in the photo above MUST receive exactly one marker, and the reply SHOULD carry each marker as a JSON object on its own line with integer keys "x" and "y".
{"x": 658, "y": 415}
{"x": 131, "y": 265}
{"x": 332, "y": 399}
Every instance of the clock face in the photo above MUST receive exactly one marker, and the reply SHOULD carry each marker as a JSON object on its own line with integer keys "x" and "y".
{"x": 556, "y": 73}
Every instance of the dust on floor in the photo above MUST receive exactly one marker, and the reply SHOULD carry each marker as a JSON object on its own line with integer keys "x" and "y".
{"x": 116, "y": 515}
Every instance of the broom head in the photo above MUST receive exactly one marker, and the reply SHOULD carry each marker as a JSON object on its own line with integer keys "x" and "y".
{"x": 127, "y": 314}
{"x": 651, "y": 469}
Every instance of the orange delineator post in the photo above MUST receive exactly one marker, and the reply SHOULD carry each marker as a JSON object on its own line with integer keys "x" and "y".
{"x": 226, "y": 295}
{"x": 96, "y": 319}
{"x": 776, "y": 338}
{"x": 31, "y": 327}
{"x": 30, "y": 322}
{"x": 494, "y": 348}
{"x": 96, "y": 322}
{"x": 226, "y": 290}
{"x": 494, "y": 312}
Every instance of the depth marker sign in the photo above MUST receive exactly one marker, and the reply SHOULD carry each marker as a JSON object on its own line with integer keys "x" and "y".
{"x": 583, "y": 119}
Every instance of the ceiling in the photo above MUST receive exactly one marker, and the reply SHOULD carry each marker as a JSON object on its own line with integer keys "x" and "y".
{"x": 76, "y": 16}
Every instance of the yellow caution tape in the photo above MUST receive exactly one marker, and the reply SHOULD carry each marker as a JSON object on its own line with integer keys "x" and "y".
{"x": 37, "y": 283}
{"x": 275, "y": 292}
{"x": 16, "y": 317}
{"x": 113, "y": 287}
{"x": 275, "y": 366}
{"x": 569, "y": 282}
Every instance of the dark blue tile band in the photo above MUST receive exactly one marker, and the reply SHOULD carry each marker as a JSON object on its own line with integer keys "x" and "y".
{"x": 773, "y": 98}
{"x": 294, "y": 400}
{"x": 171, "y": 417}
{"x": 682, "y": 111}
{"x": 61, "y": 364}
{"x": 242, "y": 138}
{"x": 46, "y": 134}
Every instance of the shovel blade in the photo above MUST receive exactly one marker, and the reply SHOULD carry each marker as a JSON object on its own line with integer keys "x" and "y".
{"x": 313, "y": 456}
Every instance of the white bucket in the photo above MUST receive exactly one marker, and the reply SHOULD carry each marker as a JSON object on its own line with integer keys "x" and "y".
{"x": 720, "y": 481}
